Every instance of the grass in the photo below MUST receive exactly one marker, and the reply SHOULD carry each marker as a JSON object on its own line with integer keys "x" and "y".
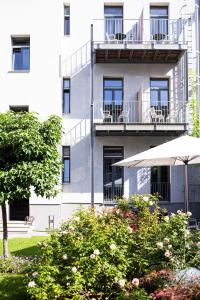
{"x": 24, "y": 246}
{"x": 12, "y": 287}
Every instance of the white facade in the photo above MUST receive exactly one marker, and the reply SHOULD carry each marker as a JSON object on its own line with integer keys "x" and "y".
{"x": 54, "y": 56}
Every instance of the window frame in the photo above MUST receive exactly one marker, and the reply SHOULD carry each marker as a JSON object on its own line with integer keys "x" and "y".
{"x": 20, "y": 46}
{"x": 24, "y": 108}
{"x": 67, "y": 18}
{"x": 66, "y": 157}
{"x": 63, "y": 93}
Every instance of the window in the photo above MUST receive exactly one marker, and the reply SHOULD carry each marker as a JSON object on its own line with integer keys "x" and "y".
{"x": 113, "y": 21}
{"x": 19, "y": 108}
{"x": 66, "y": 96}
{"x": 21, "y": 53}
{"x": 66, "y": 20}
{"x": 159, "y": 91}
{"x": 113, "y": 177}
{"x": 66, "y": 163}
{"x": 113, "y": 97}
{"x": 159, "y": 22}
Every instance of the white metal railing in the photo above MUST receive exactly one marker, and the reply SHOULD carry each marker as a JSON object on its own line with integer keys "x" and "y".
{"x": 163, "y": 190}
{"x": 139, "y": 30}
{"x": 139, "y": 112}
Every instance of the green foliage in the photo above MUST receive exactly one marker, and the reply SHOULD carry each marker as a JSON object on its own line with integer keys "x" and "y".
{"x": 29, "y": 156}
{"x": 105, "y": 255}
{"x": 194, "y": 106}
{"x": 12, "y": 287}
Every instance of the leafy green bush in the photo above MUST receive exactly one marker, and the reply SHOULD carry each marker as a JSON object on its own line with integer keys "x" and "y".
{"x": 104, "y": 255}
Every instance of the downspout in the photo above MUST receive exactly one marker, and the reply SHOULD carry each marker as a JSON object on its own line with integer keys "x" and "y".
{"x": 92, "y": 116}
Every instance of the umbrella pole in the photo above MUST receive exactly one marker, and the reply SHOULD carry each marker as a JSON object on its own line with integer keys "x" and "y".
{"x": 186, "y": 187}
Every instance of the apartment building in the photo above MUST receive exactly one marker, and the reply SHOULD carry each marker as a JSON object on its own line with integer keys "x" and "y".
{"x": 117, "y": 74}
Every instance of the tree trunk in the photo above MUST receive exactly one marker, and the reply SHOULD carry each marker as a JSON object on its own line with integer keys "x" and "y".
{"x": 5, "y": 230}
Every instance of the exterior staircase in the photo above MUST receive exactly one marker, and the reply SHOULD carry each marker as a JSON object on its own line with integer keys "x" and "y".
{"x": 18, "y": 229}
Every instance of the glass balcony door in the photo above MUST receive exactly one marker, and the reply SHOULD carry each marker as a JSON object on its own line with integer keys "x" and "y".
{"x": 113, "y": 98}
{"x": 159, "y": 98}
{"x": 159, "y": 22}
{"x": 113, "y": 16}
{"x": 113, "y": 178}
{"x": 160, "y": 182}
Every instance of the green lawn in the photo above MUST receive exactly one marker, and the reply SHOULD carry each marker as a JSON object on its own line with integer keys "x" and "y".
{"x": 24, "y": 246}
{"x": 12, "y": 287}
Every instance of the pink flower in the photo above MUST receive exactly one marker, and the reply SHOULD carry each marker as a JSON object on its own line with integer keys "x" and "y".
{"x": 135, "y": 282}
{"x": 168, "y": 253}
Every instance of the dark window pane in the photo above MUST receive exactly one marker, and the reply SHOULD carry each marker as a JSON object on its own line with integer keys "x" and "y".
{"x": 17, "y": 59}
{"x": 67, "y": 26}
{"x": 66, "y": 151}
{"x": 159, "y": 11}
{"x": 26, "y": 58}
{"x": 116, "y": 11}
{"x": 67, "y": 10}
{"x": 66, "y": 173}
{"x": 113, "y": 83}
{"x": 118, "y": 96}
{"x": 66, "y": 83}
{"x": 159, "y": 83}
{"x": 66, "y": 101}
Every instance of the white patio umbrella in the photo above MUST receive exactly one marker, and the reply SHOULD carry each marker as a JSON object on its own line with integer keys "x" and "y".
{"x": 184, "y": 150}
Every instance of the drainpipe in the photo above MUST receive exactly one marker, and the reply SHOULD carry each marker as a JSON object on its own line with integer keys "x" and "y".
{"x": 92, "y": 116}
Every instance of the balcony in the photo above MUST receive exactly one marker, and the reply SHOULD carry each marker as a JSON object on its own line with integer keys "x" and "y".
{"x": 139, "y": 118}
{"x": 139, "y": 41}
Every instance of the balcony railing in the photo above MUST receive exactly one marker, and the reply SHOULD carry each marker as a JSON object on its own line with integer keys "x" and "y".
{"x": 163, "y": 190}
{"x": 171, "y": 112}
{"x": 140, "y": 30}
{"x": 112, "y": 193}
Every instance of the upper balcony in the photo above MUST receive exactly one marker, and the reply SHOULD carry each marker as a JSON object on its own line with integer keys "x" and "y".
{"x": 118, "y": 40}
{"x": 139, "y": 117}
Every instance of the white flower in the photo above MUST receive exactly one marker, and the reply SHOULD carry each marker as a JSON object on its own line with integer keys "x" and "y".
{"x": 179, "y": 212}
{"x": 64, "y": 256}
{"x": 31, "y": 284}
{"x": 189, "y": 214}
{"x": 146, "y": 199}
{"x": 166, "y": 218}
{"x": 65, "y": 232}
{"x": 92, "y": 256}
{"x": 96, "y": 252}
{"x": 159, "y": 245}
{"x": 166, "y": 240}
{"x": 185, "y": 222}
{"x": 35, "y": 274}
{"x": 71, "y": 228}
{"x": 172, "y": 214}
{"x": 187, "y": 232}
{"x": 77, "y": 219}
{"x": 121, "y": 282}
{"x": 113, "y": 247}
{"x": 130, "y": 229}
{"x": 168, "y": 253}
{"x": 198, "y": 244}
{"x": 135, "y": 282}
{"x": 74, "y": 269}
{"x": 169, "y": 246}
{"x": 150, "y": 203}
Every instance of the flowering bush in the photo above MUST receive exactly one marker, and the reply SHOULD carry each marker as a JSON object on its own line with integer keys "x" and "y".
{"x": 110, "y": 254}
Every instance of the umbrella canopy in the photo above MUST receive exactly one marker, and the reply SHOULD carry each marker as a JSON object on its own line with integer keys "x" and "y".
{"x": 181, "y": 151}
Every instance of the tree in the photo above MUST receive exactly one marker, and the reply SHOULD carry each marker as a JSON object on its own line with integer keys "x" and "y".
{"x": 29, "y": 159}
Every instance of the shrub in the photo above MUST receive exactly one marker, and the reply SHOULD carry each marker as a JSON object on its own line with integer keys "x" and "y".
{"x": 112, "y": 254}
